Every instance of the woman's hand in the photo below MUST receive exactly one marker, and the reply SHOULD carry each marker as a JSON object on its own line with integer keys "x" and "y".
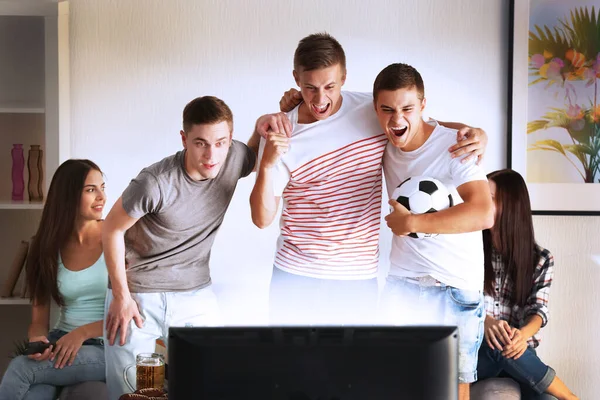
{"x": 66, "y": 348}
{"x": 40, "y": 356}
{"x": 517, "y": 347}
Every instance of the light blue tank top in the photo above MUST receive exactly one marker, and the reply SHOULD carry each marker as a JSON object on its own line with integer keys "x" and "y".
{"x": 83, "y": 292}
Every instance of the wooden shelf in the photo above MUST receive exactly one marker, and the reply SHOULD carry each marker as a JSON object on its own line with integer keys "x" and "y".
{"x": 14, "y": 301}
{"x": 21, "y": 109}
{"x": 20, "y": 205}
{"x": 28, "y": 8}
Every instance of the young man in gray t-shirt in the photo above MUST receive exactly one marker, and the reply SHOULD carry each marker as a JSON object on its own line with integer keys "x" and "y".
{"x": 163, "y": 228}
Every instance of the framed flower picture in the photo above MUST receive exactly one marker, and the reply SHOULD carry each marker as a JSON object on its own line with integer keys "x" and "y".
{"x": 554, "y": 103}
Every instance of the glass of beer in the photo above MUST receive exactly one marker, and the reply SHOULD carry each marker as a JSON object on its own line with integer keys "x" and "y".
{"x": 149, "y": 371}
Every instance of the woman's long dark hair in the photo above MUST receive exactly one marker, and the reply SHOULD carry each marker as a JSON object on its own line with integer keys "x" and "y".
{"x": 512, "y": 235}
{"x": 56, "y": 226}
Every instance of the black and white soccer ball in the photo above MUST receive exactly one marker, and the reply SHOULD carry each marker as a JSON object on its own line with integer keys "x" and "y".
{"x": 420, "y": 195}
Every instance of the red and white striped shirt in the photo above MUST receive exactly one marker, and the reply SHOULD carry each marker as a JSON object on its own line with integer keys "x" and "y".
{"x": 331, "y": 183}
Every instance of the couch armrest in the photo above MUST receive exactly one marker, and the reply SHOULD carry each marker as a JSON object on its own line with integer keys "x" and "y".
{"x": 92, "y": 390}
{"x": 496, "y": 389}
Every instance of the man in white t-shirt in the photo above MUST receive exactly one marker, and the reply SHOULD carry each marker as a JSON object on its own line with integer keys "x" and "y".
{"x": 439, "y": 279}
{"x": 330, "y": 181}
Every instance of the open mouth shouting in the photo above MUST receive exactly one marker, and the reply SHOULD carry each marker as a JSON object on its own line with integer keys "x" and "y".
{"x": 399, "y": 131}
{"x": 320, "y": 109}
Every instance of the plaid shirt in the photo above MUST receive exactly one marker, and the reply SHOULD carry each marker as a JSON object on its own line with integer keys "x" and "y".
{"x": 500, "y": 306}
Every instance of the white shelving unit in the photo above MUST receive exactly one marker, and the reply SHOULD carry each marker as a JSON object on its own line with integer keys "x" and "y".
{"x": 34, "y": 109}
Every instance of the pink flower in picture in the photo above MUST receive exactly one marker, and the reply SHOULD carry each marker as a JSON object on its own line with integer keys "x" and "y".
{"x": 537, "y": 60}
{"x": 575, "y": 112}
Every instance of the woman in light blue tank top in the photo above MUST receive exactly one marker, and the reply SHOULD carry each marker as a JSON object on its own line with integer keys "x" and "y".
{"x": 65, "y": 265}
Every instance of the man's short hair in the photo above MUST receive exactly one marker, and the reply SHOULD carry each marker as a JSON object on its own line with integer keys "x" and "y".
{"x": 398, "y": 76}
{"x": 206, "y": 110}
{"x": 317, "y": 51}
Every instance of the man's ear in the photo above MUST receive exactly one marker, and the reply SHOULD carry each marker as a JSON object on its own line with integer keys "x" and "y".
{"x": 183, "y": 139}
{"x": 296, "y": 78}
{"x": 423, "y": 103}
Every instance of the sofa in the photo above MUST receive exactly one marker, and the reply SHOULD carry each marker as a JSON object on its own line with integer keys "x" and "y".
{"x": 496, "y": 389}
{"x": 92, "y": 390}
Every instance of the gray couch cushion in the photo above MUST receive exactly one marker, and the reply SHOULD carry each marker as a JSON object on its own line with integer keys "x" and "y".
{"x": 496, "y": 389}
{"x": 92, "y": 390}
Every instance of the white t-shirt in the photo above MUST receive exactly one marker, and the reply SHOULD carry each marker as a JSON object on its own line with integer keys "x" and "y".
{"x": 330, "y": 182}
{"x": 454, "y": 259}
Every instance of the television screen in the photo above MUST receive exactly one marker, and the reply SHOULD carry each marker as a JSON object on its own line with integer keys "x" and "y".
{"x": 310, "y": 363}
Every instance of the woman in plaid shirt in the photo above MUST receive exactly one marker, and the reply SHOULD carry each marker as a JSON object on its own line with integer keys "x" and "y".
{"x": 518, "y": 274}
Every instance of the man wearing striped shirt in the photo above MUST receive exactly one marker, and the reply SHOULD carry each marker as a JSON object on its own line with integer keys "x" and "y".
{"x": 330, "y": 180}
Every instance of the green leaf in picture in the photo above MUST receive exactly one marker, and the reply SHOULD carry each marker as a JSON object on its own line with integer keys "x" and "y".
{"x": 537, "y": 81}
{"x": 581, "y": 132}
{"x": 583, "y": 30}
{"x": 538, "y": 125}
{"x": 557, "y": 118}
{"x": 580, "y": 148}
{"x": 548, "y": 144}
{"x": 545, "y": 40}
{"x": 577, "y": 150}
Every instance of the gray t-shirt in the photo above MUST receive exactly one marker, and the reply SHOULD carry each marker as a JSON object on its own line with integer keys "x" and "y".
{"x": 168, "y": 248}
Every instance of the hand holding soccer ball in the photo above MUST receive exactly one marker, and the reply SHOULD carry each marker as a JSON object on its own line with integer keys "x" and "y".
{"x": 417, "y": 195}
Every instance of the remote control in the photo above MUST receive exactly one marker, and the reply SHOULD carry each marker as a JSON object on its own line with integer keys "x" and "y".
{"x": 37, "y": 347}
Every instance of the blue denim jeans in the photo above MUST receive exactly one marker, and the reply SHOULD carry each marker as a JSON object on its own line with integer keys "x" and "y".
{"x": 39, "y": 380}
{"x": 529, "y": 371}
{"x": 160, "y": 311}
{"x": 404, "y": 302}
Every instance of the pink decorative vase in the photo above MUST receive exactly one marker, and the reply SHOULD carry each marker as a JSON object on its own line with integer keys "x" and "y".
{"x": 18, "y": 165}
{"x": 36, "y": 173}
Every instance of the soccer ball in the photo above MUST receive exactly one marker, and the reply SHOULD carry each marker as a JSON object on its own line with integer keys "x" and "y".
{"x": 420, "y": 195}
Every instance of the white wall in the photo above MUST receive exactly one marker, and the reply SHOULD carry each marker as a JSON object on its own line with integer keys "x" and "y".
{"x": 569, "y": 341}
{"x": 135, "y": 64}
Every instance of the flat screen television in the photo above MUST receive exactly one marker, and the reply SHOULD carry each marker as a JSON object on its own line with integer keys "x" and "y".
{"x": 310, "y": 363}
